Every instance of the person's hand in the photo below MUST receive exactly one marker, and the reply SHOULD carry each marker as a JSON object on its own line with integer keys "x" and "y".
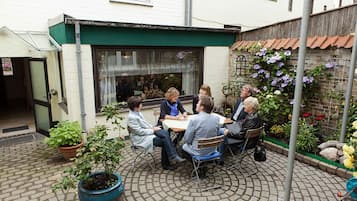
{"x": 156, "y": 128}
{"x": 225, "y": 132}
{"x": 180, "y": 117}
{"x": 185, "y": 115}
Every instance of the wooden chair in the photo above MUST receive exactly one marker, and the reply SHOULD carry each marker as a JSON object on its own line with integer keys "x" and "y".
{"x": 140, "y": 153}
{"x": 197, "y": 160}
{"x": 245, "y": 151}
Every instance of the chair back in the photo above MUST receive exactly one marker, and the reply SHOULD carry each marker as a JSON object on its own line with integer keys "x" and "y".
{"x": 253, "y": 133}
{"x": 210, "y": 142}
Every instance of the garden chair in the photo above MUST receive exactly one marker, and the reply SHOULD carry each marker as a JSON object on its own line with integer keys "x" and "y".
{"x": 140, "y": 153}
{"x": 198, "y": 161}
{"x": 244, "y": 150}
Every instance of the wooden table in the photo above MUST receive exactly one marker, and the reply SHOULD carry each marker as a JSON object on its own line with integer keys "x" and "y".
{"x": 181, "y": 125}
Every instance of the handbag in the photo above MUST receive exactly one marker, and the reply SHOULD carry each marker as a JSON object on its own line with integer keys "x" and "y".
{"x": 260, "y": 154}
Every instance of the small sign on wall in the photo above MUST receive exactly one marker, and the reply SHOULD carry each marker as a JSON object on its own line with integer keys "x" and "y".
{"x": 7, "y": 67}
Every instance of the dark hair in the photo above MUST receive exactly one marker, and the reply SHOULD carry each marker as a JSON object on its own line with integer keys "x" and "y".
{"x": 207, "y": 103}
{"x": 134, "y": 102}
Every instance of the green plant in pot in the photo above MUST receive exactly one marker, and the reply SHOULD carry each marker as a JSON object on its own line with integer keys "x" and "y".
{"x": 94, "y": 170}
{"x": 67, "y": 137}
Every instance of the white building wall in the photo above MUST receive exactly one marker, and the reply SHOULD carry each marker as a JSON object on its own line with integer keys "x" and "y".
{"x": 215, "y": 70}
{"x": 253, "y": 13}
{"x": 33, "y": 14}
{"x": 72, "y": 88}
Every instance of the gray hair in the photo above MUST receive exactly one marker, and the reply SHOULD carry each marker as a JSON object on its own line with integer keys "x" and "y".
{"x": 252, "y": 102}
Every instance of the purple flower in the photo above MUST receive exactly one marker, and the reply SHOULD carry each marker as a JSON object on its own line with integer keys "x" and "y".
{"x": 274, "y": 82}
{"x": 262, "y": 52}
{"x": 287, "y": 53}
{"x": 254, "y": 75}
{"x": 286, "y": 78}
{"x": 281, "y": 64}
{"x": 279, "y": 73}
{"x": 265, "y": 88}
{"x": 284, "y": 84}
{"x": 330, "y": 64}
{"x": 274, "y": 58}
{"x": 261, "y": 71}
{"x": 307, "y": 80}
{"x": 267, "y": 75}
{"x": 256, "y": 66}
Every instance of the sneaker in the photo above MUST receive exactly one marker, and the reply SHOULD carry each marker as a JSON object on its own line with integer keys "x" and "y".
{"x": 178, "y": 159}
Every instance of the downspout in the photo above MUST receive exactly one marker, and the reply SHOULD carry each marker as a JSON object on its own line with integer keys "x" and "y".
{"x": 188, "y": 13}
{"x": 80, "y": 78}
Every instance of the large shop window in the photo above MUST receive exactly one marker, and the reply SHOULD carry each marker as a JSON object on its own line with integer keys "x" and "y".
{"x": 146, "y": 72}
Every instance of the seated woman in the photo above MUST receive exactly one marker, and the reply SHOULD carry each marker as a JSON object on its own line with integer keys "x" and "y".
{"x": 205, "y": 90}
{"x": 145, "y": 135}
{"x": 251, "y": 121}
{"x": 171, "y": 107}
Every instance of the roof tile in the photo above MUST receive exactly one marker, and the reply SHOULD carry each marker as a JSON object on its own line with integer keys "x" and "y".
{"x": 318, "y": 42}
{"x": 342, "y": 41}
{"x": 330, "y": 41}
{"x": 269, "y": 43}
{"x": 296, "y": 45}
{"x": 276, "y": 44}
{"x": 310, "y": 41}
{"x": 291, "y": 43}
{"x": 349, "y": 44}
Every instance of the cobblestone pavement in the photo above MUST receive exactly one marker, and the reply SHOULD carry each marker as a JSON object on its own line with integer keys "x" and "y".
{"x": 28, "y": 170}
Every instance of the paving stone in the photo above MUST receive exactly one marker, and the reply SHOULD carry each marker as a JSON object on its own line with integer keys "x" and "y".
{"x": 28, "y": 170}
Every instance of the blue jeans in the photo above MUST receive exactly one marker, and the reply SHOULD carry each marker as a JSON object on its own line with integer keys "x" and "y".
{"x": 168, "y": 151}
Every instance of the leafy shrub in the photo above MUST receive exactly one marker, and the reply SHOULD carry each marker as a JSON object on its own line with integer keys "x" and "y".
{"x": 274, "y": 107}
{"x": 65, "y": 133}
{"x": 277, "y": 131}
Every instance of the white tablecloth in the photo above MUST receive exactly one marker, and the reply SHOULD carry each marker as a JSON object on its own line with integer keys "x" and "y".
{"x": 182, "y": 124}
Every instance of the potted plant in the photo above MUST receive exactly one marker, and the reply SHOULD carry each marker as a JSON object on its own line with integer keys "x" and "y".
{"x": 95, "y": 167}
{"x": 67, "y": 137}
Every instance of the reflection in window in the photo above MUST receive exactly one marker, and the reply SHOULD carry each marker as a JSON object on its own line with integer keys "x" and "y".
{"x": 7, "y": 67}
{"x": 146, "y": 72}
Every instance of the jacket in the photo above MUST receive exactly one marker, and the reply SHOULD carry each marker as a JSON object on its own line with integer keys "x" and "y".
{"x": 242, "y": 114}
{"x": 141, "y": 131}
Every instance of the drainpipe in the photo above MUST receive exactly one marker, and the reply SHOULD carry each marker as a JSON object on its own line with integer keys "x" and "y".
{"x": 188, "y": 13}
{"x": 349, "y": 87}
{"x": 80, "y": 78}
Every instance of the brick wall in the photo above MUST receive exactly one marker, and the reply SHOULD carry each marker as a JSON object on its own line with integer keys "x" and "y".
{"x": 331, "y": 95}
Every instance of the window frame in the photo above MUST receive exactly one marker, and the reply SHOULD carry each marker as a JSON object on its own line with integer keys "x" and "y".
{"x": 149, "y": 102}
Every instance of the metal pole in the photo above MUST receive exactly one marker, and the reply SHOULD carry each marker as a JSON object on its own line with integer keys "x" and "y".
{"x": 80, "y": 75}
{"x": 188, "y": 13}
{"x": 349, "y": 87}
{"x": 297, "y": 97}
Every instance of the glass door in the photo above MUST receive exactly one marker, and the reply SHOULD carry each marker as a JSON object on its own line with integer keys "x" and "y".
{"x": 40, "y": 95}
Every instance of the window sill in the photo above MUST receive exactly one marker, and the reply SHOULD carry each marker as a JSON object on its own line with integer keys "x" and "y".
{"x": 133, "y": 2}
{"x": 147, "y": 107}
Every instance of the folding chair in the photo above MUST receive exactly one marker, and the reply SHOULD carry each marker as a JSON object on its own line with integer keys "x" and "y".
{"x": 140, "y": 153}
{"x": 198, "y": 160}
{"x": 245, "y": 151}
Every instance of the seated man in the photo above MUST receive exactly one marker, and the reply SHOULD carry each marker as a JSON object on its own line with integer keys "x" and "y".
{"x": 204, "y": 125}
{"x": 145, "y": 135}
{"x": 238, "y": 112}
{"x": 251, "y": 121}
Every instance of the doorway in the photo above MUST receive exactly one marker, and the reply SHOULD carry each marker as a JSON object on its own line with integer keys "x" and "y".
{"x": 16, "y": 103}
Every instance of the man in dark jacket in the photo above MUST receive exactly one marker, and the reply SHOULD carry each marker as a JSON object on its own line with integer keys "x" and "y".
{"x": 238, "y": 112}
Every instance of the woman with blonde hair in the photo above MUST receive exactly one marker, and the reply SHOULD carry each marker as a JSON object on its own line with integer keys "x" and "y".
{"x": 171, "y": 106}
{"x": 205, "y": 90}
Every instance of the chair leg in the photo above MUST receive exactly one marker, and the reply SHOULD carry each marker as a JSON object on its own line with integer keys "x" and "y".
{"x": 136, "y": 158}
{"x": 230, "y": 150}
{"x": 152, "y": 165}
{"x": 195, "y": 170}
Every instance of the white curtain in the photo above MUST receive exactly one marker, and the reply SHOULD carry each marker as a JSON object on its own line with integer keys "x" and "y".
{"x": 107, "y": 80}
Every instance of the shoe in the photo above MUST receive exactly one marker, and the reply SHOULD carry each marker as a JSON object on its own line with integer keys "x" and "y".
{"x": 170, "y": 167}
{"x": 178, "y": 159}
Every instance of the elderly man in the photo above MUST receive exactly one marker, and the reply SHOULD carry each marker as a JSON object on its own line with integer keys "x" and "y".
{"x": 251, "y": 121}
{"x": 238, "y": 112}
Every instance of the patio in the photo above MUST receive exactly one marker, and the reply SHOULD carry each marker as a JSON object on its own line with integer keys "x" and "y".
{"x": 28, "y": 170}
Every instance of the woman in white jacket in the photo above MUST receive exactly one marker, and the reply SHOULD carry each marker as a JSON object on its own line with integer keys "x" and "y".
{"x": 145, "y": 135}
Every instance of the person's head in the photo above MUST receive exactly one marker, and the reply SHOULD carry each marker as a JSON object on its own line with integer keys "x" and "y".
{"x": 251, "y": 105}
{"x": 205, "y": 104}
{"x": 135, "y": 103}
{"x": 172, "y": 94}
{"x": 205, "y": 90}
{"x": 246, "y": 91}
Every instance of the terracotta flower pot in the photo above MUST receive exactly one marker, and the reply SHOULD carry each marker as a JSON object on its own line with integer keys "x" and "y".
{"x": 70, "y": 152}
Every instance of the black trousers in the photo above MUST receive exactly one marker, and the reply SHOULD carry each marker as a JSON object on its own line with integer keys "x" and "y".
{"x": 168, "y": 150}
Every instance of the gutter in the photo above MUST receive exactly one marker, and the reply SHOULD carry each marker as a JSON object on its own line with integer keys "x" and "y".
{"x": 80, "y": 76}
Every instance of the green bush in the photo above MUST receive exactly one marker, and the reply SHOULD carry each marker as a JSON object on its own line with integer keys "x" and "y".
{"x": 65, "y": 133}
